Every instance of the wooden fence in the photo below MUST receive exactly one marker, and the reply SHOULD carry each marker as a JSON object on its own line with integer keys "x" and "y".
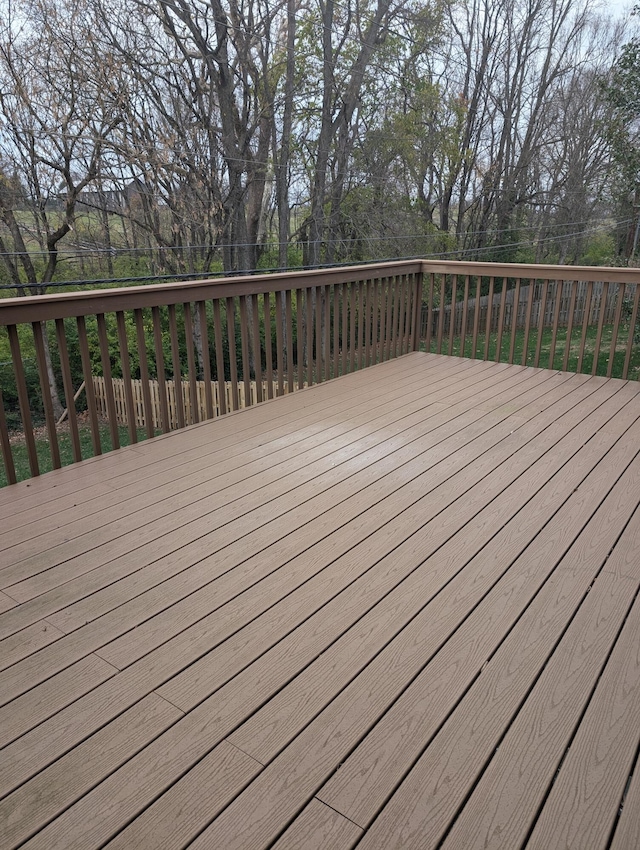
{"x": 137, "y": 393}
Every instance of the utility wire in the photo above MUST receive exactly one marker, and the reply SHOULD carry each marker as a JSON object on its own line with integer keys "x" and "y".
{"x": 209, "y": 275}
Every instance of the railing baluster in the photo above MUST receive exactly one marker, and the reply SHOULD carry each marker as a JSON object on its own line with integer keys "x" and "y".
{"x": 87, "y": 372}
{"x": 336, "y": 330}
{"x": 375, "y": 322}
{"x": 503, "y": 307}
{"x": 384, "y": 292}
{"x": 443, "y": 298}
{"x": 126, "y": 376}
{"x": 105, "y": 359}
{"x": 67, "y": 384}
{"x": 616, "y": 326}
{"x": 219, "y": 346}
{"x": 47, "y": 401}
{"x": 244, "y": 345}
{"x": 405, "y": 312}
{"x": 429, "y": 328}
{"x": 191, "y": 362}
{"x": 309, "y": 302}
{"x": 144, "y": 373}
{"x": 268, "y": 352}
{"x": 465, "y": 309}
{"x": 289, "y": 317}
{"x": 476, "y": 318}
{"x": 359, "y": 319}
{"x": 632, "y": 325}
{"x": 556, "y": 321}
{"x": 572, "y": 307}
{"x": 367, "y": 323}
{"x": 257, "y": 347}
{"x": 345, "y": 326}
{"x": 206, "y": 359}
{"x": 231, "y": 344}
{"x": 527, "y": 323}
{"x": 541, "y": 318}
{"x": 326, "y": 337}
{"x": 416, "y": 312}
{"x": 300, "y": 337}
{"x": 23, "y": 399}
{"x": 5, "y": 445}
{"x": 395, "y": 309}
{"x": 279, "y": 346}
{"x": 175, "y": 361}
{"x": 489, "y": 321}
{"x": 402, "y": 325}
{"x": 515, "y": 305}
{"x": 452, "y": 314}
{"x": 160, "y": 372}
{"x": 601, "y": 317}
{"x": 385, "y": 320}
{"x": 352, "y": 327}
{"x": 319, "y": 319}
{"x": 586, "y": 316}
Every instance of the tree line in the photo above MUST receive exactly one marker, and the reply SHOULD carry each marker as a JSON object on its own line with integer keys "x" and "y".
{"x": 237, "y": 134}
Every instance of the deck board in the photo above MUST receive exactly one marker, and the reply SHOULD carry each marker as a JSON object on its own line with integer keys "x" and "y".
{"x": 345, "y": 616}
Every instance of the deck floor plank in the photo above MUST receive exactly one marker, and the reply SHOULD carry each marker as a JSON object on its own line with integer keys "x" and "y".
{"x": 129, "y": 501}
{"x": 505, "y": 802}
{"x": 378, "y": 612}
{"x": 119, "y": 469}
{"x": 584, "y": 801}
{"x": 258, "y": 814}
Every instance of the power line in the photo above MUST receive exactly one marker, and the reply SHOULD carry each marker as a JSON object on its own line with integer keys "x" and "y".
{"x": 209, "y": 275}
{"x": 74, "y": 253}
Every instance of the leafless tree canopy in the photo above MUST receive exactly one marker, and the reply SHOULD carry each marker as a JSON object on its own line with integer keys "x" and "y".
{"x": 234, "y": 133}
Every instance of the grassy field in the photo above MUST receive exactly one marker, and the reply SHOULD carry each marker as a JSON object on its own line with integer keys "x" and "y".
{"x": 21, "y": 459}
{"x": 561, "y": 341}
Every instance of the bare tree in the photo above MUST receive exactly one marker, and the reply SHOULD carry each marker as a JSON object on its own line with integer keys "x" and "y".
{"x": 57, "y": 108}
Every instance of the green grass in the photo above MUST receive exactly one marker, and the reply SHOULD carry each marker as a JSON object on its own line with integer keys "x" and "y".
{"x": 545, "y": 350}
{"x": 21, "y": 458}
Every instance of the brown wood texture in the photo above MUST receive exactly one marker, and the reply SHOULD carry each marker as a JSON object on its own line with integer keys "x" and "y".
{"x": 5, "y": 445}
{"x": 67, "y": 382}
{"x": 379, "y": 612}
{"x": 39, "y": 341}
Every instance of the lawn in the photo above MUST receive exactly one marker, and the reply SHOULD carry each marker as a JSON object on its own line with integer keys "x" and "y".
{"x": 558, "y": 359}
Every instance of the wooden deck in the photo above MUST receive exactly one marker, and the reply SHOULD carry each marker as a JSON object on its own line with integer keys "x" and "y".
{"x": 396, "y": 610}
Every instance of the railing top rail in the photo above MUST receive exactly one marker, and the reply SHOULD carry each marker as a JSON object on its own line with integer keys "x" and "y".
{"x": 68, "y": 304}
{"x": 63, "y": 305}
{"x": 531, "y": 271}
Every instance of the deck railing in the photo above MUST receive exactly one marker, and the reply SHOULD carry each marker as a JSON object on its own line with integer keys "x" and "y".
{"x": 573, "y": 318}
{"x": 270, "y": 334}
{"x": 289, "y": 330}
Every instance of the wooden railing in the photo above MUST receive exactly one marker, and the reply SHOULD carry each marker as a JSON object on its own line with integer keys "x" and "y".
{"x": 574, "y": 318}
{"x": 290, "y": 330}
{"x": 280, "y": 332}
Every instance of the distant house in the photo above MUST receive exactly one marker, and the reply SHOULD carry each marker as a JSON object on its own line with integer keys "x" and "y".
{"x": 113, "y": 200}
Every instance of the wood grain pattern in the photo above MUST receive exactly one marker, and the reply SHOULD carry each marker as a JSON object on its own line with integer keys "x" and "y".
{"x": 34, "y": 804}
{"x": 311, "y": 623}
{"x": 505, "y": 802}
{"x": 583, "y": 804}
{"x": 366, "y": 779}
{"x": 318, "y": 827}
